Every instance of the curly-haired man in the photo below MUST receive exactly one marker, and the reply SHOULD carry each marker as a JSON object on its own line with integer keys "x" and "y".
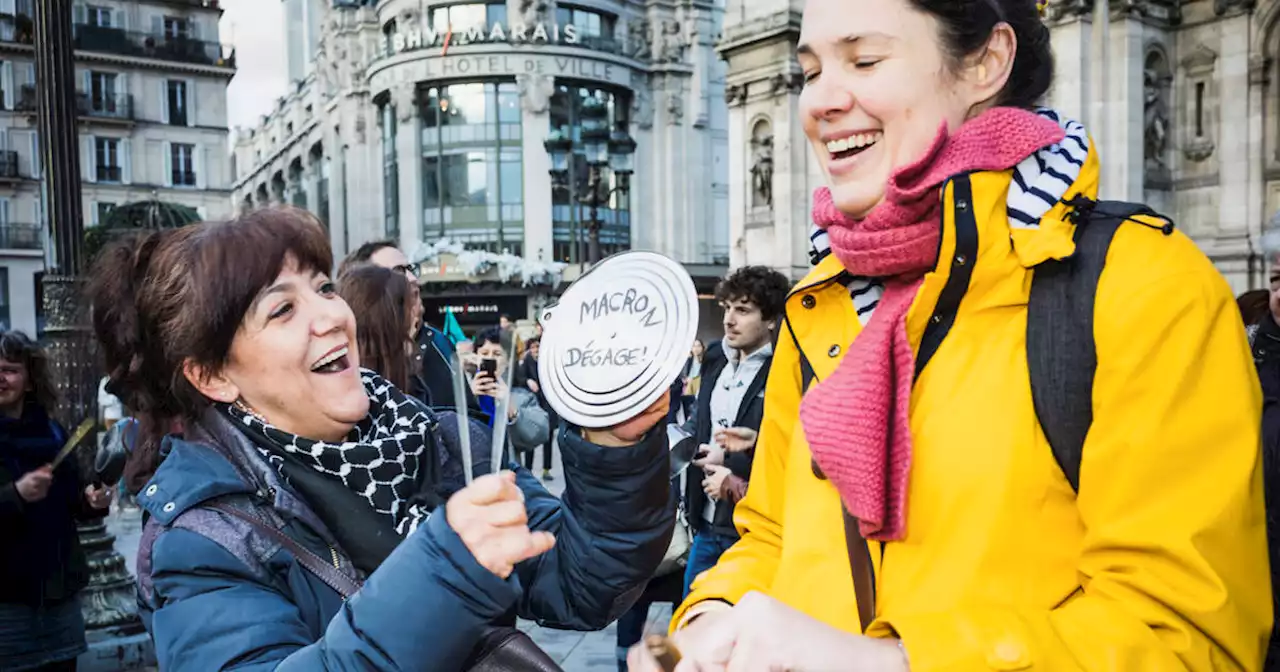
{"x": 728, "y": 411}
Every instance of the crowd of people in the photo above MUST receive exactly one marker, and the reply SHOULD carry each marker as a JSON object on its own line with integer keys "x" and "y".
{"x": 883, "y": 467}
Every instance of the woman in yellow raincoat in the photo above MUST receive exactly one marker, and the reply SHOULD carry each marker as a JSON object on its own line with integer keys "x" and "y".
{"x": 982, "y": 555}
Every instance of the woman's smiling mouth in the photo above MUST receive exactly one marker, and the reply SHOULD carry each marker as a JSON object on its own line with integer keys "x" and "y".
{"x": 852, "y": 145}
{"x": 334, "y": 362}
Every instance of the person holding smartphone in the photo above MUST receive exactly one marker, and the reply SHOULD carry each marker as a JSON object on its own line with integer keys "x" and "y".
{"x": 528, "y": 425}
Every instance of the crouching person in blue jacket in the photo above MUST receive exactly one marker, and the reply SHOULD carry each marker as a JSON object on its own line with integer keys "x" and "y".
{"x": 299, "y": 520}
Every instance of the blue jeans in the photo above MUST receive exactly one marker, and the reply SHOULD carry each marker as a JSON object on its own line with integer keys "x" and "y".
{"x": 704, "y": 552}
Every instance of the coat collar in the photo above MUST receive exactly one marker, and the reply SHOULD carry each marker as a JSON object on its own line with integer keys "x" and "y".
{"x": 213, "y": 459}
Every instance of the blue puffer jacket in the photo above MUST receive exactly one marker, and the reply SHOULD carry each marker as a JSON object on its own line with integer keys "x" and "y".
{"x": 216, "y": 595}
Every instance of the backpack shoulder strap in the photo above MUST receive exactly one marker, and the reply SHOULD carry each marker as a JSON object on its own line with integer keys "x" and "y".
{"x": 1061, "y": 355}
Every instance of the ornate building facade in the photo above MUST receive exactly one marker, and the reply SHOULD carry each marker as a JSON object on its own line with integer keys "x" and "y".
{"x": 425, "y": 121}
{"x": 1180, "y": 96}
{"x": 151, "y": 92}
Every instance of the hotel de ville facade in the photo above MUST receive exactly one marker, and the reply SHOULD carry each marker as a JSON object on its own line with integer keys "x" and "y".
{"x": 428, "y": 123}
{"x": 388, "y": 132}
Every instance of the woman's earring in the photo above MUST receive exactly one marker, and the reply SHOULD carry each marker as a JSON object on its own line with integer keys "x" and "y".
{"x": 246, "y": 408}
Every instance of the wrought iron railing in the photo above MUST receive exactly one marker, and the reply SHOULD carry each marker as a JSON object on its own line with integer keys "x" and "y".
{"x": 150, "y": 45}
{"x": 208, "y": 4}
{"x": 108, "y": 173}
{"x": 20, "y": 237}
{"x": 105, "y": 106}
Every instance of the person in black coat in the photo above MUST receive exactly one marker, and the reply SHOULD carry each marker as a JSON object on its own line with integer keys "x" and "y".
{"x": 431, "y": 380}
{"x": 43, "y": 565}
{"x": 729, "y": 409}
{"x": 1264, "y": 340}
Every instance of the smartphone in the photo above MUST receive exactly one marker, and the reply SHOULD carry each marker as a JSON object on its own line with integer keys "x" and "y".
{"x": 489, "y": 366}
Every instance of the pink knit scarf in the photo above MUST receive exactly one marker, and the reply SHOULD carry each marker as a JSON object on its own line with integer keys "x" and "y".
{"x": 857, "y": 420}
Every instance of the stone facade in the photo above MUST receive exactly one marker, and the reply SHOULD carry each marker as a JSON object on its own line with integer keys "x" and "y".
{"x": 1180, "y": 97}
{"x": 151, "y": 88}
{"x": 378, "y": 94}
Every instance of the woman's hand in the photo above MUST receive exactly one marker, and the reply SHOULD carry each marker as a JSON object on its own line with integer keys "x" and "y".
{"x": 714, "y": 481}
{"x": 709, "y": 455}
{"x": 630, "y": 432}
{"x": 98, "y": 497}
{"x": 490, "y": 518}
{"x": 736, "y": 439}
{"x": 763, "y": 634}
{"x": 485, "y": 385}
{"x": 34, "y": 485}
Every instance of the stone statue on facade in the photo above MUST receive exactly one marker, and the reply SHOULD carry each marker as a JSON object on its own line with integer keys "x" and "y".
{"x": 735, "y": 94}
{"x": 324, "y": 78}
{"x": 1068, "y": 9}
{"x": 642, "y": 106}
{"x": 674, "y": 43}
{"x": 675, "y": 108}
{"x": 1155, "y": 133}
{"x": 535, "y": 92}
{"x": 640, "y": 39}
{"x": 405, "y": 98}
{"x": 533, "y": 12}
{"x": 762, "y": 172}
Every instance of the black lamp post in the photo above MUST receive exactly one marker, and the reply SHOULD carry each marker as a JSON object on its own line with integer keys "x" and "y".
{"x": 109, "y": 602}
{"x": 602, "y": 149}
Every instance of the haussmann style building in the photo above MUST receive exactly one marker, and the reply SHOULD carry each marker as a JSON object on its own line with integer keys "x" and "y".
{"x": 151, "y": 90}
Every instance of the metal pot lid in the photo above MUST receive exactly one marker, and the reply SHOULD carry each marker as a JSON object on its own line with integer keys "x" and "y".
{"x": 617, "y": 339}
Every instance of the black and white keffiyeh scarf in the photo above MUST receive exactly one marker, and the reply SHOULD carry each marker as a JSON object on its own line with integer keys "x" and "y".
{"x": 381, "y": 459}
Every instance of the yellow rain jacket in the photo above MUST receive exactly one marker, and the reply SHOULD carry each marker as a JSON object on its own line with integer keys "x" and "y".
{"x": 1160, "y": 563}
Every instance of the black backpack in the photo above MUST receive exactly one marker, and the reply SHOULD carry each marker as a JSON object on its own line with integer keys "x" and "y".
{"x": 1061, "y": 354}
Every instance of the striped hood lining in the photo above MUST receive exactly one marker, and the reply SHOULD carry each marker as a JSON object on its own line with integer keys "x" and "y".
{"x": 1039, "y": 182}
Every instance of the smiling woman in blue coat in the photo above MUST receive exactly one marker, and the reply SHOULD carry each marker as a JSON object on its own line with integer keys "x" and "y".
{"x": 299, "y": 520}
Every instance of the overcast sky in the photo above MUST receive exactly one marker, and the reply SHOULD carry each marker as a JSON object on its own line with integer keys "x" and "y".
{"x": 256, "y": 28}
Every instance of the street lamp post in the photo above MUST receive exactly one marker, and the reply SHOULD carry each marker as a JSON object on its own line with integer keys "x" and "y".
{"x": 602, "y": 150}
{"x": 116, "y": 637}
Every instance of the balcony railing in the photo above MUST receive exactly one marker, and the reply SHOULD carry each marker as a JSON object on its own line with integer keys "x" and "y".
{"x": 112, "y": 106}
{"x": 198, "y": 4}
{"x": 184, "y": 178}
{"x": 9, "y": 164}
{"x": 20, "y": 237}
{"x": 108, "y": 173}
{"x": 151, "y": 45}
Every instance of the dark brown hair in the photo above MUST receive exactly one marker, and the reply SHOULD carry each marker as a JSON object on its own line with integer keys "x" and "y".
{"x": 181, "y": 294}
{"x": 761, "y": 286}
{"x": 966, "y": 25}
{"x": 17, "y": 347}
{"x": 1253, "y": 305}
{"x": 363, "y": 254}
{"x": 381, "y": 300}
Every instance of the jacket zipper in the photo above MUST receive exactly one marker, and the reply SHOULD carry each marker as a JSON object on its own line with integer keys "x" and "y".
{"x": 333, "y": 553}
